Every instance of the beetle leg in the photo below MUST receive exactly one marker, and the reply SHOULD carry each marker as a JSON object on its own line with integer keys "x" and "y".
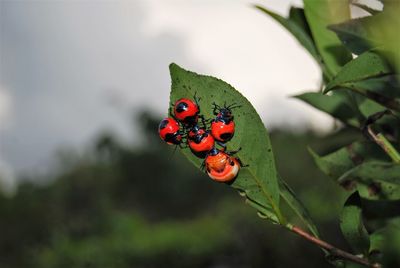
{"x": 241, "y": 163}
{"x": 223, "y": 145}
{"x": 233, "y": 152}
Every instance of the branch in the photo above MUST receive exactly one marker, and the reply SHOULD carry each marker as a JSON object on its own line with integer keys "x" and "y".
{"x": 332, "y": 249}
{"x": 384, "y": 144}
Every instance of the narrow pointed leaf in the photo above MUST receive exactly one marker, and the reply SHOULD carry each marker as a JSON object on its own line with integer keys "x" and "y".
{"x": 352, "y": 226}
{"x": 368, "y": 65}
{"x": 259, "y": 181}
{"x": 370, "y": 76}
{"x": 291, "y": 199}
{"x": 387, "y": 86}
{"x": 337, "y": 105}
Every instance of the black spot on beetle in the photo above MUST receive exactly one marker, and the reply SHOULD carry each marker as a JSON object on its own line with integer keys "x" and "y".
{"x": 163, "y": 124}
{"x": 226, "y": 136}
{"x": 181, "y": 107}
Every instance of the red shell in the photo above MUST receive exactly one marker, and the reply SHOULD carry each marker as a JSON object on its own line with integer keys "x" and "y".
{"x": 169, "y": 131}
{"x": 186, "y": 111}
{"x": 206, "y": 143}
{"x": 222, "y": 167}
{"x": 221, "y": 131}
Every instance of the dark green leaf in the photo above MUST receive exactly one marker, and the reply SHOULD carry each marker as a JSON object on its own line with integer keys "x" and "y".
{"x": 368, "y": 172}
{"x": 367, "y": 65}
{"x": 354, "y": 34}
{"x": 369, "y": 75}
{"x": 336, "y": 164}
{"x": 387, "y": 86}
{"x": 297, "y": 25}
{"x": 337, "y": 105}
{"x": 297, "y": 15}
{"x": 366, "y": 106}
{"x": 352, "y": 225}
{"x": 259, "y": 181}
{"x": 319, "y": 15}
{"x": 378, "y": 32}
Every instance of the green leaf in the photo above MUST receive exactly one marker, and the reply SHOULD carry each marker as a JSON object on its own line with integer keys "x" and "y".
{"x": 352, "y": 225}
{"x": 319, "y": 15}
{"x": 335, "y": 164}
{"x": 337, "y": 105}
{"x": 387, "y": 86}
{"x": 297, "y": 25}
{"x": 259, "y": 181}
{"x": 289, "y": 196}
{"x": 370, "y": 76}
{"x": 368, "y": 172}
{"x": 379, "y": 32}
{"x": 354, "y": 34}
{"x": 367, "y": 65}
{"x": 366, "y": 106}
{"x": 341, "y": 163}
{"x": 377, "y": 240}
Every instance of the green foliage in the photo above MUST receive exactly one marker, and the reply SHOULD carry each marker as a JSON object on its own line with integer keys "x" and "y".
{"x": 352, "y": 225}
{"x": 363, "y": 92}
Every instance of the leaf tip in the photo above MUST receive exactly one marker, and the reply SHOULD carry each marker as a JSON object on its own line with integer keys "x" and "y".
{"x": 173, "y": 66}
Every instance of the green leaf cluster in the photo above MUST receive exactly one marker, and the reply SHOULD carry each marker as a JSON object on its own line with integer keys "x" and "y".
{"x": 360, "y": 64}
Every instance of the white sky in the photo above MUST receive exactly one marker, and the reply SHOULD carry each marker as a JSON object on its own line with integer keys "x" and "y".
{"x": 71, "y": 68}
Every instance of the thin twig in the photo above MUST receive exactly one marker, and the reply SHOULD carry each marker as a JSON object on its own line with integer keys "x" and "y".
{"x": 381, "y": 140}
{"x": 332, "y": 249}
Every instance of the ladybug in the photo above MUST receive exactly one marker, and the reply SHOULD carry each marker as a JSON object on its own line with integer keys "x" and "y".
{"x": 169, "y": 131}
{"x": 221, "y": 166}
{"x": 223, "y": 126}
{"x": 186, "y": 111}
{"x": 200, "y": 141}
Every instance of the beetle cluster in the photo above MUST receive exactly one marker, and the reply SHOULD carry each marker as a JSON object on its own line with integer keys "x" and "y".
{"x": 187, "y": 127}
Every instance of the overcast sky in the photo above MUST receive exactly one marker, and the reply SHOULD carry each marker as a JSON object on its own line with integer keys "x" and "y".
{"x": 71, "y": 68}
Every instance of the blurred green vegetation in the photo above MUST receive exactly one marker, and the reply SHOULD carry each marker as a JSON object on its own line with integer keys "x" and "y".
{"x": 119, "y": 205}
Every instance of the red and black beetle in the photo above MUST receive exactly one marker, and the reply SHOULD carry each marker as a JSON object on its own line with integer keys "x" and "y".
{"x": 223, "y": 126}
{"x": 200, "y": 141}
{"x": 222, "y": 166}
{"x": 186, "y": 111}
{"x": 169, "y": 131}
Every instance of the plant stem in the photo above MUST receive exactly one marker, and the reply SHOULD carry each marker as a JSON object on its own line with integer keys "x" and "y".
{"x": 384, "y": 144}
{"x": 332, "y": 249}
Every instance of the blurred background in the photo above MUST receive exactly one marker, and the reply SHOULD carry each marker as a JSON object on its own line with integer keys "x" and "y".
{"x": 85, "y": 180}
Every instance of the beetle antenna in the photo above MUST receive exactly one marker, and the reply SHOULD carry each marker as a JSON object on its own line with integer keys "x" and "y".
{"x": 196, "y": 99}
